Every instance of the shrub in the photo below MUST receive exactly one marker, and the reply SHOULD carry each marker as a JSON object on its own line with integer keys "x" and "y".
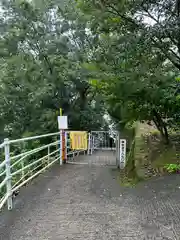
{"x": 172, "y": 168}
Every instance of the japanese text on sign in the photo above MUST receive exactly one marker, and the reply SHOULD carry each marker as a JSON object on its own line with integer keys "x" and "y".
{"x": 79, "y": 140}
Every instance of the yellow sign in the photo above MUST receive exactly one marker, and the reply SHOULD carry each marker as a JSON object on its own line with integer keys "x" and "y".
{"x": 79, "y": 140}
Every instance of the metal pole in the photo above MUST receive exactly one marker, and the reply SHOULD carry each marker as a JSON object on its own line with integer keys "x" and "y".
{"x": 8, "y": 173}
{"x": 89, "y": 143}
{"x": 61, "y": 148}
{"x": 66, "y": 143}
{"x": 62, "y": 142}
{"x": 48, "y": 154}
{"x": 22, "y": 167}
{"x": 93, "y": 143}
{"x": 92, "y": 146}
{"x": 119, "y": 149}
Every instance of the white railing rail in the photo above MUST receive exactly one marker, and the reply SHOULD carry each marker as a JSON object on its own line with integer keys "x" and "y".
{"x": 17, "y": 169}
{"x": 33, "y": 137}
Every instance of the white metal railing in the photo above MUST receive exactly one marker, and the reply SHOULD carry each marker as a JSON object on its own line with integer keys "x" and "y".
{"x": 23, "y": 159}
{"x": 19, "y": 164}
{"x": 104, "y": 140}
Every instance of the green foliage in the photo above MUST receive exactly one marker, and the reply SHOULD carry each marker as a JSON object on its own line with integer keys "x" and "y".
{"x": 138, "y": 71}
{"x": 43, "y": 51}
{"x": 172, "y": 168}
{"x": 43, "y": 48}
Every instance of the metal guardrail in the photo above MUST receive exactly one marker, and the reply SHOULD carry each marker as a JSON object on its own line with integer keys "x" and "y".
{"x": 18, "y": 169}
{"x": 21, "y": 164}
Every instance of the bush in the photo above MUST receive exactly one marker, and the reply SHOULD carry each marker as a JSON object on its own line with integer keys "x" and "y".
{"x": 172, "y": 168}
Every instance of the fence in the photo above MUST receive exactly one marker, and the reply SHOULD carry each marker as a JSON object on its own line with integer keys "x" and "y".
{"x": 24, "y": 159}
{"x": 21, "y": 160}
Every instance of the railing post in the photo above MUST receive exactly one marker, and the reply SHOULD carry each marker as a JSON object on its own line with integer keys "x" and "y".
{"x": 92, "y": 144}
{"x": 8, "y": 173}
{"x": 61, "y": 147}
{"x": 89, "y": 143}
{"x": 48, "y": 154}
{"x": 22, "y": 171}
{"x": 66, "y": 145}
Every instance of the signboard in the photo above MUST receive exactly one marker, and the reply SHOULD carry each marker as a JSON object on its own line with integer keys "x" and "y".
{"x": 79, "y": 140}
{"x": 122, "y": 153}
{"x": 62, "y": 122}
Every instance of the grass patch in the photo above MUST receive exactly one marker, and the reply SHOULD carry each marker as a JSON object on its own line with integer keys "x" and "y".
{"x": 149, "y": 157}
{"x": 123, "y": 179}
{"x": 168, "y": 156}
{"x": 128, "y": 181}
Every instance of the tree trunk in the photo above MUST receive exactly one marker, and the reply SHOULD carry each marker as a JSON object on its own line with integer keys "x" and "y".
{"x": 161, "y": 126}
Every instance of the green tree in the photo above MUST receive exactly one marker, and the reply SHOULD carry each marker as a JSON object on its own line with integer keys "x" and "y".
{"x": 43, "y": 47}
{"x": 136, "y": 75}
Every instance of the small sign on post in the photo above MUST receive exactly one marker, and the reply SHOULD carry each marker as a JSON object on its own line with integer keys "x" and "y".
{"x": 62, "y": 122}
{"x": 63, "y": 125}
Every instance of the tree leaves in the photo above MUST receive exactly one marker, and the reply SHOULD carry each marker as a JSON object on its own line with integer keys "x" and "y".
{"x": 42, "y": 69}
{"x": 137, "y": 60}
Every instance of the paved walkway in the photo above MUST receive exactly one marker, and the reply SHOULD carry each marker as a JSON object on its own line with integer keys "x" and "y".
{"x": 85, "y": 202}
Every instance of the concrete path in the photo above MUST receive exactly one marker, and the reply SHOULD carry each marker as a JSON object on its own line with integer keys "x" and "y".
{"x": 85, "y": 202}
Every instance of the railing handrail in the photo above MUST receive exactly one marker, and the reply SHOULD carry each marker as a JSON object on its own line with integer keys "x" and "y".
{"x": 30, "y": 138}
{"x": 35, "y": 150}
{"x": 33, "y": 163}
{"x": 33, "y": 137}
{"x": 17, "y": 170}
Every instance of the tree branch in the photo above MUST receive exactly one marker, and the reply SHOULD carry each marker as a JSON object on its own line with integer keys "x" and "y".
{"x": 114, "y": 11}
{"x": 153, "y": 18}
